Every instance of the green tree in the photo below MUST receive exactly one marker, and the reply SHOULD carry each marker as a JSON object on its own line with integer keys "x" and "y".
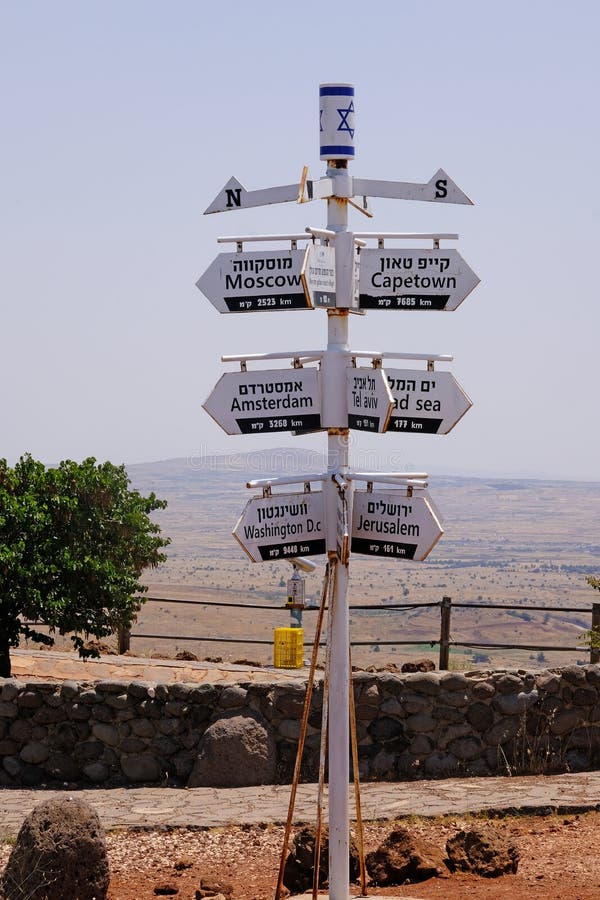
{"x": 74, "y": 541}
{"x": 591, "y": 637}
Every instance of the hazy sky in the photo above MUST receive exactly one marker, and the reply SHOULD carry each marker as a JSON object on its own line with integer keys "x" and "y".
{"x": 121, "y": 121}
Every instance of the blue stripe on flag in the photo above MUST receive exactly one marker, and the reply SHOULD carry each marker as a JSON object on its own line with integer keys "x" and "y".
{"x": 332, "y": 91}
{"x": 338, "y": 148}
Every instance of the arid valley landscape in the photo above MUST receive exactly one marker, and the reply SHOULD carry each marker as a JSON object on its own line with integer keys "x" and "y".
{"x": 506, "y": 541}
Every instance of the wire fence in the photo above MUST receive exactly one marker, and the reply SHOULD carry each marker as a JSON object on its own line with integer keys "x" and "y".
{"x": 443, "y": 640}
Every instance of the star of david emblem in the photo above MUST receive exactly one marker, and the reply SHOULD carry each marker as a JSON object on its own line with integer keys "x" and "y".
{"x": 344, "y": 124}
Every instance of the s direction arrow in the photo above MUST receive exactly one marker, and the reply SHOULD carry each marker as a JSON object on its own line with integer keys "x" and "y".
{"x": 414, "y": 279}
{"x": 439, "y": 189}
{"x": 389, "y": 523}
{"x": 266, "y": 401}
{"x": 425, "y": 402}
{"x": 282, "y": 526}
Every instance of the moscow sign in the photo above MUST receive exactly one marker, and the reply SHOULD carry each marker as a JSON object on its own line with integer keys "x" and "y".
{"x": 264, "y": 281}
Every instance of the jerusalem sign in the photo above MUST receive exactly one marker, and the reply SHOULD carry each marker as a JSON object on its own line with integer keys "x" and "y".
{"x": 392, "y": 524}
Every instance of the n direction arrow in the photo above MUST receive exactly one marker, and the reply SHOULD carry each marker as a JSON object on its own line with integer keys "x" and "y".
{"x": 235, "y": 196}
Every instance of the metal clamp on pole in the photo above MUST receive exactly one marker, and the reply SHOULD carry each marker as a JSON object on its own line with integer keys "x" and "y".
{"x": 380, "y": 354}
{"x": 324, "y": 233}
{"x": 304, "y": 355}
{"x": 285, "y": 479}
{"x": 382, "y": 236}
{"x": 259, "y": 238}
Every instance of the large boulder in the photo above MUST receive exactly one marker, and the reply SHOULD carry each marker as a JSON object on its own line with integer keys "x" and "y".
{"x": 403, "y": 857}
{"x": 237, "y": 750}
{"x": 418, "y": 665}
{"x": 486, "y": 853}
{"x": 60, "y": 852}
{"x": 299, "y": 866}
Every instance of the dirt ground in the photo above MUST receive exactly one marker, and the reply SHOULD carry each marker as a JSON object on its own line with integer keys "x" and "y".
{"x": 559, "y": 860}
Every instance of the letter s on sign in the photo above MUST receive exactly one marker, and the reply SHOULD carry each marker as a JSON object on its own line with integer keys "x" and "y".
{"x": 441, "y": 188}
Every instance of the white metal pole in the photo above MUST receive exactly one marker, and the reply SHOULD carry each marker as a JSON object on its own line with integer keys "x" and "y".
{"x": 335, "y": 362}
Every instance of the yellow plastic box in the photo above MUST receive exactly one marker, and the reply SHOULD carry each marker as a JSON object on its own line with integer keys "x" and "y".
{"x": 288, "y": 650}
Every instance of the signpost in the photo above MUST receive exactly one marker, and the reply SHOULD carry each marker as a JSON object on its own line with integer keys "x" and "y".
{"x": 318, "y": 275}
{"x": 266, "y": 401}
{"x": 425, "y": 402}
{"x": 262, "y": 281}
{"x": 370, "y": 400}
{"x": 392, "y": 523}
{"x": 414, "y": 279}
{"x": 342, "y": 532}
{"x": 282, "y": 526}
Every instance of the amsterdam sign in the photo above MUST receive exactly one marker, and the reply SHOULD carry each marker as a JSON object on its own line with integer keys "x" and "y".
{"x": 266, "y": 401}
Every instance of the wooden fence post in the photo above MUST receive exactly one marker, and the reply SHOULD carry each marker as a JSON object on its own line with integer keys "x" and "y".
{"x": 445, "y": 614}
{"x": 595, "y": 651}
{"x": 124, "y": 639}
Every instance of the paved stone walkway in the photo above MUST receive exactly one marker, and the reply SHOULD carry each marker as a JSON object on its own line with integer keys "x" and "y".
{"x": 56, "y": 665}
{"x": 213, "y": 807}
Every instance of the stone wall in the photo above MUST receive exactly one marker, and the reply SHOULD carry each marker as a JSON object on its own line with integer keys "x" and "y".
{"x": 434, "y": 724}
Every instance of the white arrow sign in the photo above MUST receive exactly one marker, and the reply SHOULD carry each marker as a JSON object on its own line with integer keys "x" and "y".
{"x": 370, "y": 400}
{"x": 414, "y": 279}
{"x": 235, "y": 196}
{"x": 390, "y": 523}
{"x": 282, "y": 526}
{"x": 439, "y": 189}
{"x": 266, "y": 401}
{"x": 253, "y": 282}
{"x": 425, "y": 402}
{"x": 318, "y": 275}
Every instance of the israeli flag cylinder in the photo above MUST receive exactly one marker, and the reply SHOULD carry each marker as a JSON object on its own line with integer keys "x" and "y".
{"x": 336, "y": 121}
